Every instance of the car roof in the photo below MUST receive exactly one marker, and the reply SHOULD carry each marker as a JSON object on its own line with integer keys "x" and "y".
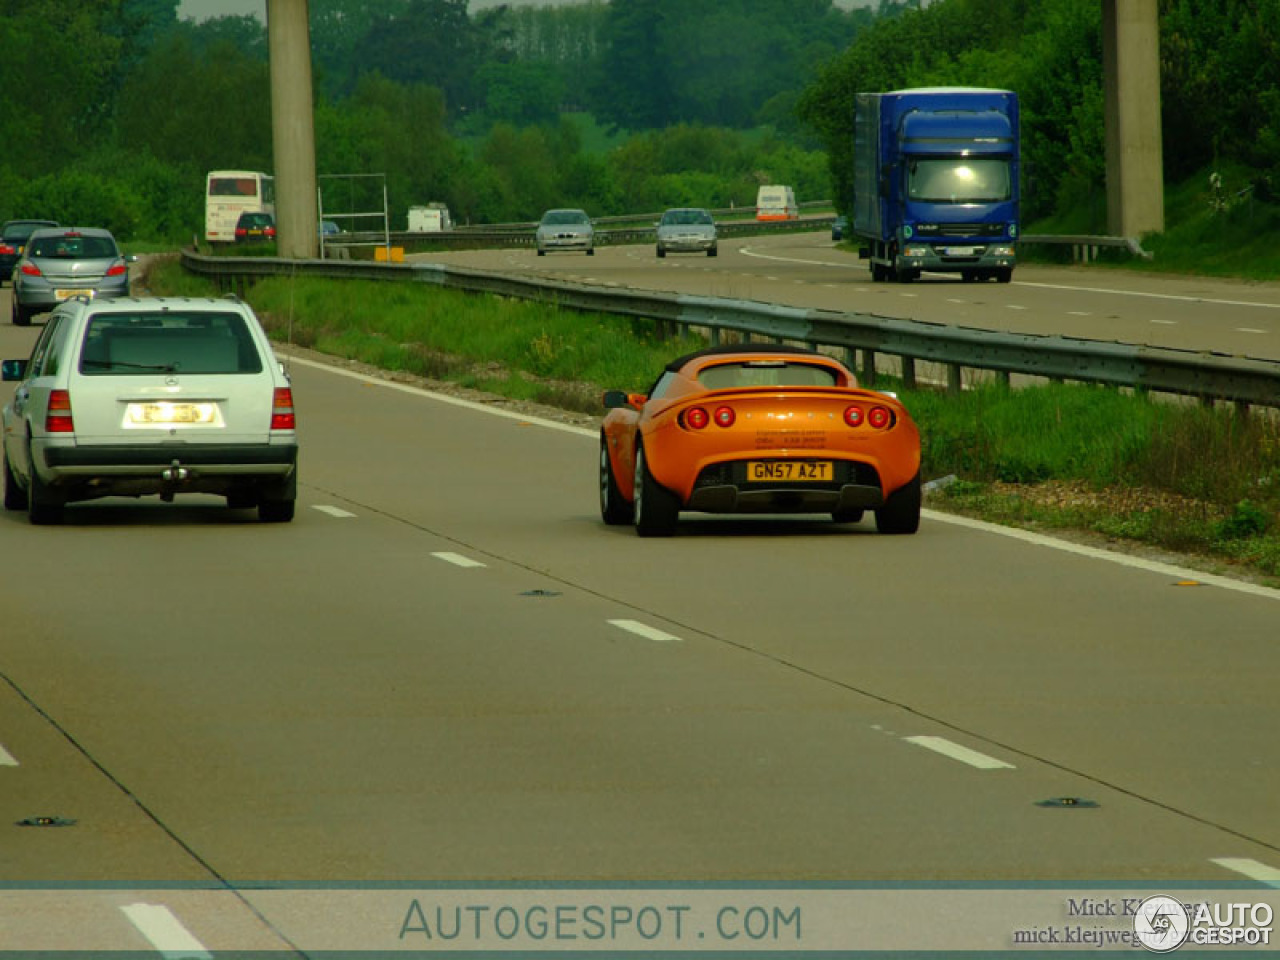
{"x": 747, "y": 352}
{"x": 134, "y": 304}
{"x": 23, "y": 223}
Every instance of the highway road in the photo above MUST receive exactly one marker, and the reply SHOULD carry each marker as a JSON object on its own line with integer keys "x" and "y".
{"x": 446, "y": 669}
{"x": 808, "y": 270}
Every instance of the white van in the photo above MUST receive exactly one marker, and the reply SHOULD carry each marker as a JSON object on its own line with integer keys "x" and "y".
{"x": 433, "y": 218}
{"x": 776, "y": 203}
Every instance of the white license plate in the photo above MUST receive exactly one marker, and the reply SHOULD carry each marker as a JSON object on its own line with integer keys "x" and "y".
{"x": 144, "y": 414}
{"x": 960, "y": 251}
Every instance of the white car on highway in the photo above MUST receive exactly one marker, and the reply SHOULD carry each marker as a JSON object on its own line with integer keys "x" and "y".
{"x": 150, "y": 396}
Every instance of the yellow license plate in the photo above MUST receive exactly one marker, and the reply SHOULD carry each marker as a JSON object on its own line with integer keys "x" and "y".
{"x": 148, "y": 413}
{"x": 64, "y": 294}
{"x": 792, "y": 471}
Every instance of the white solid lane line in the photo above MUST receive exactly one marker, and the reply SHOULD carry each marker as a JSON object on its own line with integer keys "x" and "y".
{"x": 165, "y": 932}
{"x": 1251, "y": 869}
{"x": 457, "y": 559}
{"x": 646, "y": 631}
{"x": 957, "y": 752}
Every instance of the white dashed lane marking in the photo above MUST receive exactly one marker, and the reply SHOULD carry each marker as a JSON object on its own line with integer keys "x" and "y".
{"x": 457, "y": 559}
{"x": 1252, "y": 869}
{"x": 957, "y": 752}
{"x": 6, "y": 758}
{"x": 333, "y": 511}
{"x": 646, "y": 631}
{"x": 165, "y": 932}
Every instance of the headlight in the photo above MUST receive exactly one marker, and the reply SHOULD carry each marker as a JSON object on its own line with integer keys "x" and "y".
{"x": 1002, "y": 251}
{"x": 915, "y": 250}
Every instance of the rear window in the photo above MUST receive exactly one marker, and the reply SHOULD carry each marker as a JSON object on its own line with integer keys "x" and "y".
{"x": 766, "y": 373}
{"x": 123, "y": 344}
{"x": 73, "y": 247}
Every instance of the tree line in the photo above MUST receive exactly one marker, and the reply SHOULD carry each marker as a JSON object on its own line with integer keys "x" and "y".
{"x": 113, "y": 111}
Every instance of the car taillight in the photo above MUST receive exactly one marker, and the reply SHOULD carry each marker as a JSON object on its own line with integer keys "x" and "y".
{"x": 879, "y": 417}
{"x": 853, "y": 416}
{"x": 30, "y": 270}
{"x": 57, "y": 418}
{"x": 118, "y": 269}
{"x": 240, "y": 232}
{"x": 697, "y": 418}
{"x": 271, "y": 232}
{"x": 7, "y": 250}
{"x": 725, "y": 416}
{"x": 282, "y": 417}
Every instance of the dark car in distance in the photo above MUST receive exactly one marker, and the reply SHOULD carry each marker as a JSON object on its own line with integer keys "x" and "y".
{"x": 255, "y": 228}
{"x": 13, "y": 238}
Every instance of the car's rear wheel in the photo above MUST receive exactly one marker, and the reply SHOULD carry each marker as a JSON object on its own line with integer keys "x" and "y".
{"x": 852, "y": 515}
{"x": 661, "y": 253}
{"x": 901, "y": 511}
{"x": 277, "y": 503}
{"x": 614, "y": 510}
{"x": 42, "y": 506}
{"x": 713, "y": 252}
{"x": 541, "y": 252}
{"x": 591, "y": 251}
{"x": 656, "y": 508}
{"x": 15, "y": 498}
{"x": 20, "y": 317}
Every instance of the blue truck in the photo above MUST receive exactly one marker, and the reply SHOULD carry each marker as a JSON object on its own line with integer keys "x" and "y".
{"x": 936, "y": 182}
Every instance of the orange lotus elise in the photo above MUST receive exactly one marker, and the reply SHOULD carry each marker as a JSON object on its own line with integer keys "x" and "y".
{"x": 758, "y": 428}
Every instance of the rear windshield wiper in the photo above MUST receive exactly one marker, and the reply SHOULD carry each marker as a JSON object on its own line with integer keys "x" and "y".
{"x": 111, "y": 364}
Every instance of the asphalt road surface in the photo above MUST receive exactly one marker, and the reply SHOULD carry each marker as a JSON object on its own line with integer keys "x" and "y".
{"x": 447, "y": 669}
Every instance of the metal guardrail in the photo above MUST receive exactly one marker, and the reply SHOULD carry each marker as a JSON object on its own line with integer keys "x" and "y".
{"x": 1205, "y": 375}
{"x": 1085, "y": 247}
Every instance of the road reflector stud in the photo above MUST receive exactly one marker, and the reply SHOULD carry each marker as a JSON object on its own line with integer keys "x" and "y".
{"x": 540, "y": 593}
{"x": 46, "y": 822}
{"x": 1067, "y": 803}
{"x": 1188, "y": 583}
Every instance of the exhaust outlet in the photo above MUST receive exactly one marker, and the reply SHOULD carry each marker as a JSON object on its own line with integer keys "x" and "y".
{"x": 174, "y": 473}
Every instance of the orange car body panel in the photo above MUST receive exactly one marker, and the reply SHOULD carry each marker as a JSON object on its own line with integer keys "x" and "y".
{"x": 774, "y": 423}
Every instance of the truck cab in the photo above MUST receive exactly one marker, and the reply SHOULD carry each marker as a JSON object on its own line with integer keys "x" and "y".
{"x": 936, "y": 182}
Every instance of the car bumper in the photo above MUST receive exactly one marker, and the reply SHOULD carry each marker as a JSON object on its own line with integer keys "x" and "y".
{"x": 688, "y": 244}
{"x": 46, "y": 298}
{"x": 82, "y": 472}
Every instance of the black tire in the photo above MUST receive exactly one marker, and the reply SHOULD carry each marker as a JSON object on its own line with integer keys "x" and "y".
{"x": 15, "y": 498}
{"x": 42, "y": 507}
{"x": 1004, "y": 275}
{"x": 656, "y": 509}
{"x": 713, "y": 252}
{"x": 852, "y": 515}
{"x": 968, "y": 276}
{"x": 661, "y": 253}
{"x": 591, "y": 251}
{"x": 901, "y": 511}
{"x": 277, "y": 503}
{"x": 541, "y": 252}
{"x": 614, "y": 510}
{"x": 20, "y": 317}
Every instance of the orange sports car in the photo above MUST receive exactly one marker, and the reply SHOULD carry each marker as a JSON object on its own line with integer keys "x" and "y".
{"x": 758, "y": 428}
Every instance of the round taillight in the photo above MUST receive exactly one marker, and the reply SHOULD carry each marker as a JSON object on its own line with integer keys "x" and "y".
{"x": 853, "y": 416}
{"x": 879, "y": 417}
{"x": 725, "y": 416}
{"x": 697, "y": 418}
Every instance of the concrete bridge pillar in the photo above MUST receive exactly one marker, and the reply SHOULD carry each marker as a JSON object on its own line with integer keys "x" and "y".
{"x": 293, "y": 138}
{"x": 1135, "y": 157}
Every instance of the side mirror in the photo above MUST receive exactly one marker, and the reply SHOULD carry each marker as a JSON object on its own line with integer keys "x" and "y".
{"x": 615, "y": 399}
{"x": 13, "y": 370}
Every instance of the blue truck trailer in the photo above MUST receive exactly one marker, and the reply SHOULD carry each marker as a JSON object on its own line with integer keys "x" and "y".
{"x": 936, "y": 182}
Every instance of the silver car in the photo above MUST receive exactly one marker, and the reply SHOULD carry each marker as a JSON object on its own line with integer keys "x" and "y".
{"x": 141, "y": 396}
{"x": 565, "y": 230}
{"x": 62, "y": 262}
{"x": 687, "y": 230}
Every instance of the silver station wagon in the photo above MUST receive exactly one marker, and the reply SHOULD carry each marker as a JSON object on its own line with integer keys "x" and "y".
{"x": 150, "y": 396}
